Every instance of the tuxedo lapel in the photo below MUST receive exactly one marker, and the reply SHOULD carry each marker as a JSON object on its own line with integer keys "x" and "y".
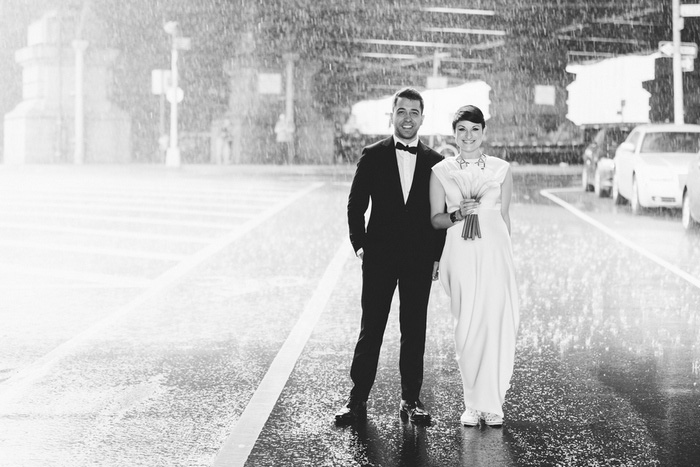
{"x": 392, "y": 167}
{"x": 421, "y": 165}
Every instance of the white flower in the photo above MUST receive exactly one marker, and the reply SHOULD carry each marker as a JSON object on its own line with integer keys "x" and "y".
{"x": 473, "y": 184}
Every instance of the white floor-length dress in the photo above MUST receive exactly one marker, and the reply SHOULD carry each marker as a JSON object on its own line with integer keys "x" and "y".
{"x": 478, "y": 275}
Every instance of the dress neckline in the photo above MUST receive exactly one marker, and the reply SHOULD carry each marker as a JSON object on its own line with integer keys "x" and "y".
{"x": 477, "y": 161}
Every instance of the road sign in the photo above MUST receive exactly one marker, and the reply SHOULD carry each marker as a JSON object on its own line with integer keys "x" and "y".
{"x": 160, "y": 81}
{"x": 687, "y": 63}
{"x": 690, "y": 9}
{"x": 270, "y": 83}
{"x": 545, "y": 95}
{"x": 175, "y": 95}
{"x": 689, "y": 49}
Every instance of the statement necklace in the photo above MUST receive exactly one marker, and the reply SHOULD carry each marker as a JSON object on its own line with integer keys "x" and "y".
{"x": 480, "y": 162}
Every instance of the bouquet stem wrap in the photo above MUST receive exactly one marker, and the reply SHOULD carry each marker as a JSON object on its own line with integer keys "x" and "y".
{"x": 471, "y": 228}
{"x": 472, "y": 183}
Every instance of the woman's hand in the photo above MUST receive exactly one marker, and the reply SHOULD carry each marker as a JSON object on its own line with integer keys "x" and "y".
{"x": 468, "y": 206}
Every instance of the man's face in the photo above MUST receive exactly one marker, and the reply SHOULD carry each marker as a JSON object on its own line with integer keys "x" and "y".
{"x": 407, "y": 118}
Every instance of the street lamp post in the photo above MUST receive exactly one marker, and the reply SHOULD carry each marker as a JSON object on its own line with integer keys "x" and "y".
{"x": 174, "y": 93}
{"x": 172, "y": 155}
{"x": 79, "y": 46}
{"x": 677, "y": 71}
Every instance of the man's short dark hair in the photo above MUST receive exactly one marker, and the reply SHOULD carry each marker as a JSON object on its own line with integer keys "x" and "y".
{"x": 408, "y": 93}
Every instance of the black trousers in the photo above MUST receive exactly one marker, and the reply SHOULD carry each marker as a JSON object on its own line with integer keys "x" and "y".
{"x": 380, "y": 277}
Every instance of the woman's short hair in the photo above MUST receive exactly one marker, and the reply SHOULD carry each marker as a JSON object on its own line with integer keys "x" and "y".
{"x": 470, "y": 113}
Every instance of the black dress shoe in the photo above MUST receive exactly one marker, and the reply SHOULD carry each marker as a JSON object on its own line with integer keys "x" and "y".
{"x": 352, "y": 411}
{"x": 415, "y": 412}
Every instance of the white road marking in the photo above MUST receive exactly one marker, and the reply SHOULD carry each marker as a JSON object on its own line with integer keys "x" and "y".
{"x": 104, "y": 232}
{"x": 139, "y": 207}
{"x": 237, "y": 447}
{"x": 15, "y": 283}
{"x": 91, "y": 250}
{"x": 181, "y": 199}
{"x": 661, "y": 262}
{"x": 569, "y": 189}
{"x": 66, "y": 274}
{"x": 131, "y": 219}
{"x": 16, "y": 385}
{"x": 254, "y": 192}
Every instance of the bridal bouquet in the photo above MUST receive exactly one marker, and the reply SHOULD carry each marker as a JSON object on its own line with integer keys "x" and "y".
{"x": 472, "y": 184}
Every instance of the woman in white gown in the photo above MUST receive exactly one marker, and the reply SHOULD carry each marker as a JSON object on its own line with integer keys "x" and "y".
{"x": 476, "y": 267}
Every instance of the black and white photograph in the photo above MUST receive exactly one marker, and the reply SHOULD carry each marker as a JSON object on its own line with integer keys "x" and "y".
{"x": 349, "y": 233}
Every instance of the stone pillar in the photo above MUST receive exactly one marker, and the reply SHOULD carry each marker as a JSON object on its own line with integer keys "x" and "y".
{"x": 241, "y": 98}
{"x": 289, "y": 59}
{"x": 314, "y": 131}
{"x": 36, "y": 129}
{"x": 79, "y": 155}
{"x": 233, "y": 129}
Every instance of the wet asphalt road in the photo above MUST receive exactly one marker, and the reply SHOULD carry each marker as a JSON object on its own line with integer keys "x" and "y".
{"x": 142, "y": 308}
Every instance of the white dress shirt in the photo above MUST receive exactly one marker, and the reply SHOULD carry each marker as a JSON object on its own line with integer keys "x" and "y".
{"x": 407, "y": 167}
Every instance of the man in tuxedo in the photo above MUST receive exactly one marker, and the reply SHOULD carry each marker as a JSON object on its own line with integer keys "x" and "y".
{"x": 398, "y": 246}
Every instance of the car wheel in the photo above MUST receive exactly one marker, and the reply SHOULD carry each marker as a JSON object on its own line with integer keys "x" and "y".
{"x": 634, "y": 202}
{"x": 616, "y": 196}
{"x": 599, "y": 191}
{"x": 686, "y": 218}
{"x": 585, "y": 184}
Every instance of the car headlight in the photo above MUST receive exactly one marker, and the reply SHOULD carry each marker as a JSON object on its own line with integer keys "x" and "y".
{"x": 660, "y": 176}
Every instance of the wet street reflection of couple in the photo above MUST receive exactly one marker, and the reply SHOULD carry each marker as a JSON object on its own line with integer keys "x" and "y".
{"x": 434, "y": 218}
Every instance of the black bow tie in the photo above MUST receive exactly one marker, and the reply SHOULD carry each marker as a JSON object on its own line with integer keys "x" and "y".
{"x": 403, "y": 147}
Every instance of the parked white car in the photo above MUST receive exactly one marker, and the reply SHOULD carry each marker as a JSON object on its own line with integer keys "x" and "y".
{"x": 690, "y": 214}
{"x": 652, "y": 163}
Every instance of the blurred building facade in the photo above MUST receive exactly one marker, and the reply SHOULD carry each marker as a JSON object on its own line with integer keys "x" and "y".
{"x": 42, "y": 127}
{"x": 347, "y": 52}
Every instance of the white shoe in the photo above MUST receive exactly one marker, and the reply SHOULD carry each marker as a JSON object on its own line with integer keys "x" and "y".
{"x": 470, "y": 417}
{"x": 491, "y": 419}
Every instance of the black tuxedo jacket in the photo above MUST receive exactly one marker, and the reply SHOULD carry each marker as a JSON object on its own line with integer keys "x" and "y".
{"x": 395, "y": 228}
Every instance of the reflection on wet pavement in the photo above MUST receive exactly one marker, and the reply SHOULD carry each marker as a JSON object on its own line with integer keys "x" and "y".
{"x": 607, "y": 368}
{"x": 597, "y": 319}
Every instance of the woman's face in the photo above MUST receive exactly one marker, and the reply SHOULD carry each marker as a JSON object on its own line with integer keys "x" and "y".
{"x": 468, "y": 135}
